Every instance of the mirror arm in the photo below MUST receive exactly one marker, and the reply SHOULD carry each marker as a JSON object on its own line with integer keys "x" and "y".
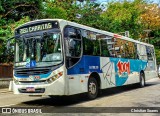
{"x": 8, "y": 42}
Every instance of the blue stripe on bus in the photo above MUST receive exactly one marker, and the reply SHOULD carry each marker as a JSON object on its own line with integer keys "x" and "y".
{"x": 86, "y": 65}
{"x": 41, "y": 76}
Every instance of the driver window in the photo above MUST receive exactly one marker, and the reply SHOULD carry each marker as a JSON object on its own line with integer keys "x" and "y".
{"x": 72, "y": 37}
{"x": 73, "y": 42}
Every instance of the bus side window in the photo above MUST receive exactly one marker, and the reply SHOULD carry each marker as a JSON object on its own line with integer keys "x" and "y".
{"x": 104, "y": 48}
{"x": 91, "y": 44}
{"x": 124, "y": 49}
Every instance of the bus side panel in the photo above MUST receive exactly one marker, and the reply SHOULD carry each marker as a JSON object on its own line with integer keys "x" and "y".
{"x": 74, "y": 76}
{"x": 127, "y": 70}
{"x": 120, "y": 71}
{"x": 150, "y": 71}
{"x": 136, "y": 67}
{"x": 78, "y": 74}
{"x": 112, "y": 71}
{"x": 108, "y": 73}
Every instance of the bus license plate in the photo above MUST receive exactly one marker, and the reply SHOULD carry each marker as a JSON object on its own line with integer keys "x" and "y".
{"x": 30, "y": 89}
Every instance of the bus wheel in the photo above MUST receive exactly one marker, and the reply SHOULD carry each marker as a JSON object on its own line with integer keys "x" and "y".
{"x": 142, "y": 80}
{"x": 92, "y": 88}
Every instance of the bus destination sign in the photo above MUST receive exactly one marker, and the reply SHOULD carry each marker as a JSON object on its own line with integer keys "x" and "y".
{"x": 34, "y": 28}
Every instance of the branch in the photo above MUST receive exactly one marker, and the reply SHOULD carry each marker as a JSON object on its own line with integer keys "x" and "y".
{"x": 34, "y": 11}
{"x": 15, "y": 8}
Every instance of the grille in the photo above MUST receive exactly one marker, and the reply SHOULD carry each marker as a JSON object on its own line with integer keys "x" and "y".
{"x": 39, "y": 81}
{"x": 34, "y": 71}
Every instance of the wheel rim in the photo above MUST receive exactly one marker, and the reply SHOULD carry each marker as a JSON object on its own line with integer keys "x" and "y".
{"x": 92, "y": 88}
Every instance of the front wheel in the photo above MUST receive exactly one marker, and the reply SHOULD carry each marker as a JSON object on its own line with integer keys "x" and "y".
{"x": 92, "y": 88}
{"x": 142, "y": 80}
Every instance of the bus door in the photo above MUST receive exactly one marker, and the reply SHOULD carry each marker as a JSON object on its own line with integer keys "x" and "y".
{"x": 151, "y": 62}
{"x": 142, "y": 56}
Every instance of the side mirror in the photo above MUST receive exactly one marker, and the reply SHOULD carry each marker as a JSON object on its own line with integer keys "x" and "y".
{"x": 8, "y": 45}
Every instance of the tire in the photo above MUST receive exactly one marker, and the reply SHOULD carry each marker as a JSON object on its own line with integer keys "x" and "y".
{"x": 142, "y": 80}
{"x": 92, "y": 88}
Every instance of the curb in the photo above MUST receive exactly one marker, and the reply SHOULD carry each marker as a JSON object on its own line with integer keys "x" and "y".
{"x": 4, "y": 82}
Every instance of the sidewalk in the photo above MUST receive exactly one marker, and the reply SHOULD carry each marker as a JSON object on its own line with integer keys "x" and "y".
{"x": 4, "y": 90}
{"x": 4, "y": 82}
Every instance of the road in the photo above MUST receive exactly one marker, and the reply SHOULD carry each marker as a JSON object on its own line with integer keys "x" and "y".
{"x": 127, "y": 96}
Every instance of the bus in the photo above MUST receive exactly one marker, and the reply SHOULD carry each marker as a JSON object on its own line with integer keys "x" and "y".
{"x": 56, "y": 57}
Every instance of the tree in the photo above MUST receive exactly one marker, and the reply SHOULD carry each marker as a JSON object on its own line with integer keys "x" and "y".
{"x": 150, "y": 18}
{"x": 6, "y": 32}
{"x": 63, "y": 9}
{"x": 16, "y": 9}
{"x": 124, "y": 16}
{"x": 90, "y": 15}
{"x": 12, "y": 14}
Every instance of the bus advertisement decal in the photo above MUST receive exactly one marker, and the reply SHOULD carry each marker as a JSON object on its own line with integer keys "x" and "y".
{"x": 123, "y": 68}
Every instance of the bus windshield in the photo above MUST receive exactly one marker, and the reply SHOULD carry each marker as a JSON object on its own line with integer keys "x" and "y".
{"x": 44, "y": 51}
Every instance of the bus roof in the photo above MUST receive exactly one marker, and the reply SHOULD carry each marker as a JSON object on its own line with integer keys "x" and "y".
{"x": 88, "y": 28}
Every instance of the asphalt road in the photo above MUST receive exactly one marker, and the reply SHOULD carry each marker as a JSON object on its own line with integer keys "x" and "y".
{"x": 122, "y": 97}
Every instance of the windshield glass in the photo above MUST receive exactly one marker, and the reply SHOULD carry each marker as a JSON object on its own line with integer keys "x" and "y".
{"x": 42, "y": 51}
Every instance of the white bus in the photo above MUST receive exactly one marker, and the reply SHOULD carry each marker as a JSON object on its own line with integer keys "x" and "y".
{"x": 56, "y": 57}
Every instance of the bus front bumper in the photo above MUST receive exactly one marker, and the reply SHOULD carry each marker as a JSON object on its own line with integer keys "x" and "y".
{"x": 56, "y": 88}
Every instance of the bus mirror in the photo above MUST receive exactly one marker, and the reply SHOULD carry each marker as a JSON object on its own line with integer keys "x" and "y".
{"x": 8, "y": 45}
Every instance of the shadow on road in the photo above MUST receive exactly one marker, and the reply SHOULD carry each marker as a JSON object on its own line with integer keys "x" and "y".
{"x": 122, "y": 89}
{"x": 75, "y": 99}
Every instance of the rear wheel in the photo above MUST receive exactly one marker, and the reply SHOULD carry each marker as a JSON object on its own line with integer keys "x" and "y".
{"x": 92, "y": 88}
{"x": 142, "y": 80}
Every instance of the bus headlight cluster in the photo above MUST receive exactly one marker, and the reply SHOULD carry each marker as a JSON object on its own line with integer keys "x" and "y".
{"x": 53, "y": 78}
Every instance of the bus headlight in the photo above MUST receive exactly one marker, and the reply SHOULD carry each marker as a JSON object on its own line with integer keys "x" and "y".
{"x": 54, "y": 77}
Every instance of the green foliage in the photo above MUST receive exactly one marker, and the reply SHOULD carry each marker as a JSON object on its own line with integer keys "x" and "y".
{"x": 157, "y": 52}
{"x": 155, "y": 40}
{"x": 90, "y": 16}
{"x": 123, "y": 16}
{"x": 7, "y": 31}
{"x": 53, "y": 11}
{"x": 119, "y": 17}
{"x": 62, "y": 9}
{"x": 13, "y": 13}
{"x": 16, "y": 9}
